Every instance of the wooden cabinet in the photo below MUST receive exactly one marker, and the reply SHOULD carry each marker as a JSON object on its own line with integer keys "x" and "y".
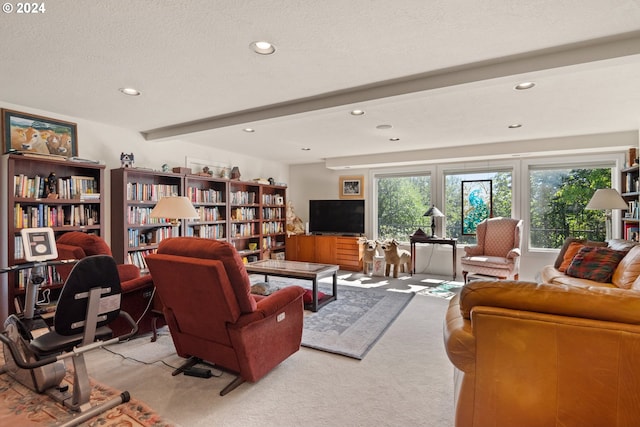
{"x": 134, "y": 193}
{"x": 344, "y": 251}
{"x": 631, "y": 192}
{"x": 76, "y": 204}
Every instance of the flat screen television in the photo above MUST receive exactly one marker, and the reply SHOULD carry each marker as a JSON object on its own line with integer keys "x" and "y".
{"x": 336, "y": 217}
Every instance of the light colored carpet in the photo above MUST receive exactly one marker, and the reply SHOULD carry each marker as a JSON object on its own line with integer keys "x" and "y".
{"x": 405, "y": 380}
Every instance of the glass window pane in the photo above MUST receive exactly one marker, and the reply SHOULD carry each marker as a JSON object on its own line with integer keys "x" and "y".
{"x": 402, "y": 202}
{"x": 558, "y": 198}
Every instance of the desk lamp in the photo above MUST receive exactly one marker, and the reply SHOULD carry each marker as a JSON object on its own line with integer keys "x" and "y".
{"x": 433, "y": 212}
{"x": 607, "y": 199}
{"x": 174, "y": 208}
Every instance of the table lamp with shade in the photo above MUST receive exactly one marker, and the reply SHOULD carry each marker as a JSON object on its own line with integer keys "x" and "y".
{"x": 607, "y": 199}
{"x": 433, "y": 212}
{"x": 174, "y": 208}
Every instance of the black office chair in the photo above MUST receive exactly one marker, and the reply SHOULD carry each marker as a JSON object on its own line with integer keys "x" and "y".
{"x": 89, "y": 301}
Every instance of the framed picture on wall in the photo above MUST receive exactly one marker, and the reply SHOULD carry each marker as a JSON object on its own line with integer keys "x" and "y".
{"x": 28, "y": 133}
{"x": 351, "y": 187}
{"x": 477, "y": 204}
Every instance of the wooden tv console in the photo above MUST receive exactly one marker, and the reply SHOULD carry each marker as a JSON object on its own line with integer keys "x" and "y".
{"x": 344, "y": 251}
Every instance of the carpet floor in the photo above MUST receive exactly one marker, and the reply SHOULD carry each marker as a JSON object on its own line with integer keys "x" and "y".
{"x": 405, "y": 379}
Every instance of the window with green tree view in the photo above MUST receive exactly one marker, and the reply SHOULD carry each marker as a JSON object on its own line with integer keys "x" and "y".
{"x": 558, "y": 197}
{"x": 402, "y": 201}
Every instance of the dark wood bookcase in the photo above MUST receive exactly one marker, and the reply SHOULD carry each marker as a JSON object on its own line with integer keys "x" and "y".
{"x": 77, "y": 206}
{"x": 134, "y": 193}
{"x": 631, "y": 193}
{"x": 209, "y": 197}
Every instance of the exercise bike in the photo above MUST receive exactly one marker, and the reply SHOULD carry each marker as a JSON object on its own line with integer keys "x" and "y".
{"x": 34, "y": 353}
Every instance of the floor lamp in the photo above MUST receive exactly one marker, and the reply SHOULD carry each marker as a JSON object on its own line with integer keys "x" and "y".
{"x": 174, "y": 208}
{"x": 607, "y": 199}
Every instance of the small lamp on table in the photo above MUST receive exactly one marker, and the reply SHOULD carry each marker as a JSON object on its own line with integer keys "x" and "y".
{"x": 433, "y": 212}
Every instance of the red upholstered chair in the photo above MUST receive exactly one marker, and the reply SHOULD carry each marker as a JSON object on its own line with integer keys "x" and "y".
{"x": 497, "y": 252}
{"x": 212, "y": 315}
{"x": 136, "y": 289}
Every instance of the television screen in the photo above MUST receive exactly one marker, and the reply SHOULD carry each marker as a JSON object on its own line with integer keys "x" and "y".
{"x": 336, "y": 216}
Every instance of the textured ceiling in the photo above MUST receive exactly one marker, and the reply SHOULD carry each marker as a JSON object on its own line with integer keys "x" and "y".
{"x": 441, "y": 73}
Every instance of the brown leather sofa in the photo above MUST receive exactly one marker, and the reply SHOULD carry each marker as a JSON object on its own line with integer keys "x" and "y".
{"x": 625, "y": 275}
{"x": 528, "y": 354}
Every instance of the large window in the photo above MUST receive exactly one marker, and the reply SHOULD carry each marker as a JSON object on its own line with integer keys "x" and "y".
{"x": 402, "y": 202}
{"x": 467, "y": 201}
{"x": 558, "y": 197}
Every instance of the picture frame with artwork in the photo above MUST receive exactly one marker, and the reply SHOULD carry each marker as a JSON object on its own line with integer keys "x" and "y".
{"x": 29, "y": 133}
{"x": 351, "y": 187}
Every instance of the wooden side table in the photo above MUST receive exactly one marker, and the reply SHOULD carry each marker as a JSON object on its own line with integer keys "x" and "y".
{"x": 417, "y": 238}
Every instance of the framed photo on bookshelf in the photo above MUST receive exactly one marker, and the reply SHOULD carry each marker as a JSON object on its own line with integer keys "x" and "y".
{"x": 29, "y": 133}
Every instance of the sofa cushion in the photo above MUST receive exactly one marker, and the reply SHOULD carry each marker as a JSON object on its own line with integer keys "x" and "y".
{"x": 566, "y": 244}
{"x": 571, "y": 251}
{"x": 628, "y": 269}
{"x": 595, "y": 263}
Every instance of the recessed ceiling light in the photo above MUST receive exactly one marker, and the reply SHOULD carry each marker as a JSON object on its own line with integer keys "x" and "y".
{"x": 384, "y": 127}
{"x": 262, "y": 47}
{"x": 249, "y": 130}
{"x": 306, "y": 149}
{"x": 129, "y": 91}
{"x": 524, "y": 86}
{"x": 357, "y": 112}
{"x": 394, "y": 139}
{"x": 515, "y": 126}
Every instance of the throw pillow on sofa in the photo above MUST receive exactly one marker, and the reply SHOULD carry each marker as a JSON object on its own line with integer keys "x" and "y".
{"x": 595, "y": 263}
{"x": 571, "y": 252}
{"x": 568, "y": 242}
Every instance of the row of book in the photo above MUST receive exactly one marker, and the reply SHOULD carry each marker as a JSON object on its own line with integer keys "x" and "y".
{"x": 43, "y": 215}
{"x": 150, "y": 192}
{"x": 209, "y": 214}
{"x": 51, "y": 276}
{"x": 196, "y": 195}
{"x": 72, "y": 187}
{"x": 137, "y": 258}
{"x": 633, "y": 211}
{"x": 244, "y": 229}
{"x": 272, "y": 213}
{"x": 272, "y": 227}
{"x": 243, "y": 214}
{"x": 632, "y": 232}
{"x": 137, "y": 215}
{"x": 243, "y": 198}
{"x": 215, "y": 231}
{"x": 138, "y": 237}
{"x": 272, "y": 199}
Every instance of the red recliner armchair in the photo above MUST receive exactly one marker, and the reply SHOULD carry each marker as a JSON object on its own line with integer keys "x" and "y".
{"x": 137, "y": 289}
{"x": 212, "y": 315}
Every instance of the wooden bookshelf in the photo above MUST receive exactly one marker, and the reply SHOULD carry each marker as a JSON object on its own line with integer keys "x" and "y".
{"x": 77, "y": 205}
{"x": 134, "y": 193}
{"x": 631, "y": 193}
{"x": 209, "y": 196}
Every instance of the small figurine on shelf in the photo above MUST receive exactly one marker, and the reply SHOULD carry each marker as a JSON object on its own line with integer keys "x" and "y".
{"x": 235, "y": 172}
{"x": 52, "y": 184}
{"x": 126, "y": 160}
{"x": 165, "y": 167}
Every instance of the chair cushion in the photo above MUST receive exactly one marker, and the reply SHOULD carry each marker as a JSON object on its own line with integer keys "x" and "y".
{"x": 196, "y": 247}
{"x": 595, "y": 263}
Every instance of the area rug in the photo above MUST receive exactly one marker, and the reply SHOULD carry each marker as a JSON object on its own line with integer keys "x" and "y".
{"x": 351, "y": 325}
{"x": 21, "y": 406}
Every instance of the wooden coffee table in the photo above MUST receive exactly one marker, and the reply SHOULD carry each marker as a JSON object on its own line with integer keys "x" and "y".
{"x": 299, "y": 270}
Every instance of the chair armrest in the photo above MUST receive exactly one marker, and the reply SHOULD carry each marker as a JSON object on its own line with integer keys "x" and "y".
{"x": 137, "y": 283}
{"x": 473, "y": 250}
{"x": 128, "y": 272}
{"x": 593, "y": 302}
{"x": 513, "y": 253}
{"x": 272, "y": 304}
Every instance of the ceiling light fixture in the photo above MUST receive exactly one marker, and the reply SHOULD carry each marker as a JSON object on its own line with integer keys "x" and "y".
{"x": 262, "y": 48}
{"x": 357, "y": 112}
{"x": 515, "y": 126}
{"x": 129, "y": 91}
{"x": 249, "y": 130}
{"x": 384, "y": 127}
{"x": 306, "y": 149}
{"x": 524, "y": 86}
{"x": 394, "y": 139}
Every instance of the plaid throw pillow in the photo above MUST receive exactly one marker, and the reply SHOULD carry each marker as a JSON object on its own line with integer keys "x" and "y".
{"x": 595, "y": 263}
